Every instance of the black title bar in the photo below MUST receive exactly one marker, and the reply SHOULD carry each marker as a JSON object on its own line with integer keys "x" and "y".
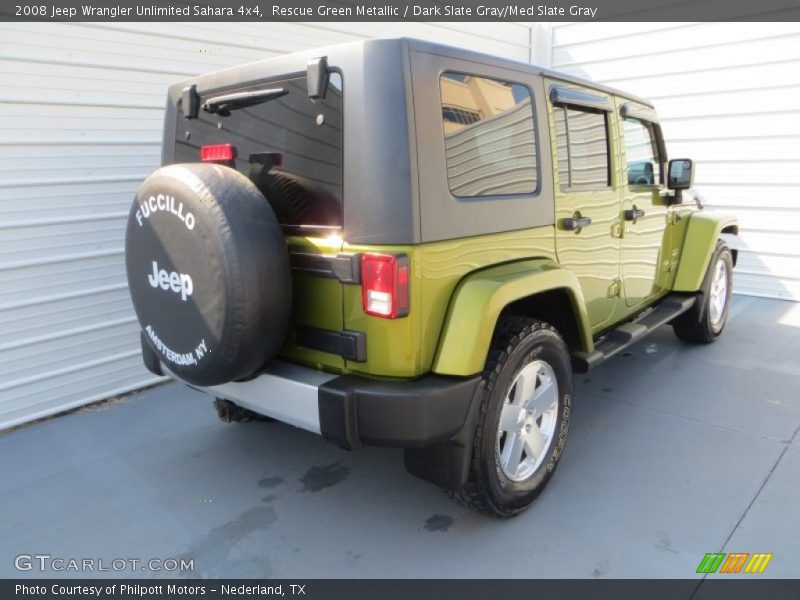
{"x": 402, "y": 10}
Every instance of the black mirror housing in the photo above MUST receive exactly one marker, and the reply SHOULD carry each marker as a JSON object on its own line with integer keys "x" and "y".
{"x": 317, "y": 77}
{"x": 680, "y": 174}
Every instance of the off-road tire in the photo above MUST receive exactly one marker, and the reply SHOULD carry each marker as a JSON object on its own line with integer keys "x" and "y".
{"x": 517, "y": 342}
{"x": 208, "y": 272}
{"x": 296, "y": 200}
{"x": 695, "y": 325}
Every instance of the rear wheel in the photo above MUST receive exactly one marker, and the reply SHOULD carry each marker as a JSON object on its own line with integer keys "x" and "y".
{"x": 524, "y": 418}
{"x": 705, "y": 321}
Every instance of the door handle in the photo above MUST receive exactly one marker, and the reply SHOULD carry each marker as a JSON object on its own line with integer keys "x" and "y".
{"x": 576, "y": 223}
{"x": 633, "y": 214}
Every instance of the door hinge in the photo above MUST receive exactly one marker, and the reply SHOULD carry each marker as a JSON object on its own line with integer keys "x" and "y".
{"x": 673, "y": 217}
{"x": 615, "y": 289}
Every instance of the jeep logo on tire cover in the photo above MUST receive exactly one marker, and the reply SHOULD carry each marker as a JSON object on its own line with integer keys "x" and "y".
{"x": 177, "y": 282}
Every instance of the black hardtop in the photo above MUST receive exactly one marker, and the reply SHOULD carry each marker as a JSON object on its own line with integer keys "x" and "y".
{"x": 395, "y": 190}
{"x": 299, "y": 58}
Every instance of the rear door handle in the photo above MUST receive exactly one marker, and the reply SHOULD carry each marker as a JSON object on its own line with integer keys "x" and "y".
{"x": 573, "y": 223}
{"x": 633, "y": 214}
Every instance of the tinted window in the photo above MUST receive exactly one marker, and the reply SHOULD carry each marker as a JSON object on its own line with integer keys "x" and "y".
{"x": 489, "y": 137}
{"x": 582, "y": 147}
{"x": 304, "y": 185}
{"x": 641, "y": 151}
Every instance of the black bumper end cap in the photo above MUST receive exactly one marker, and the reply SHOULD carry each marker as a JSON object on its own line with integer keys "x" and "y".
{"x": 356, "y": 411}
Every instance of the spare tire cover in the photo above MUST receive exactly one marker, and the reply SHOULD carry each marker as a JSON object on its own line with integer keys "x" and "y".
{"x": 208, "y": 271}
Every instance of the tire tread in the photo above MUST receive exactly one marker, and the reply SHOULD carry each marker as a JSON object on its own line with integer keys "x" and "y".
{"x": 510, "y": 331}
{"x": 693, "y": 326}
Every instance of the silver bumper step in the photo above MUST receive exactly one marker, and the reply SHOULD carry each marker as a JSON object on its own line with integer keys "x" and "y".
{"x": 284, "y": 391}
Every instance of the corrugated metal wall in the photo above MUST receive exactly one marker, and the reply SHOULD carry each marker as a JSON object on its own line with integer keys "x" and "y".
{"x": 80, "y": 127}
{"x": 728, "y": 95}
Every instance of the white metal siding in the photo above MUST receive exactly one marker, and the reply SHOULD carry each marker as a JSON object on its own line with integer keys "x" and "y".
{"x": 80, "y": 127}
{"x": 728, "y": 95}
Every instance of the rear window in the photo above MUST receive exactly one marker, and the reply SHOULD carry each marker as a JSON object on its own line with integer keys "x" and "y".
{"x": 489, "y": 136}
{"x": 295, "y": 144}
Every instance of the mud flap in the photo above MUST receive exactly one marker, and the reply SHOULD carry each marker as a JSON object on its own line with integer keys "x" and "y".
{"x": 447, "y": 464}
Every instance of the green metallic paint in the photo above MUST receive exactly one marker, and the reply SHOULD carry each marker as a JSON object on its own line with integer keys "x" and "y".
{"x": 406, "y": 347}
{"x": 316, "y": 302}
{"x": 701, "y": 236}
{"x": 645, "y": 241}
{"x": 458, "y": 288}
{"x": 591, "y": 253}
{"x": 481, "y": 297}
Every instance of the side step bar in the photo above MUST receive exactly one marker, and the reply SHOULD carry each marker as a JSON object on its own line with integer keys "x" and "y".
{"x": 616, "y": 340}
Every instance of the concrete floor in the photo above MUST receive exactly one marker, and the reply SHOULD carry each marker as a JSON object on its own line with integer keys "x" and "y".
{"x": 674, "y": 451}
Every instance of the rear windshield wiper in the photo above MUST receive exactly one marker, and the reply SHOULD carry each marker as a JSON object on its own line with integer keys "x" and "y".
{"x": 225, "y": 103}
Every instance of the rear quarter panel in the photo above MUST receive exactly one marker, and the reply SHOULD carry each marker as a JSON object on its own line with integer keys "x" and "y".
{"x": 482, "y": 296}
{"x": 406, "y": 347}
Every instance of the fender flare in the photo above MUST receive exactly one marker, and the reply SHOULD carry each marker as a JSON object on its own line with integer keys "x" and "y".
{"x": 479, "y": 299}
{"x": 702, "y": 234}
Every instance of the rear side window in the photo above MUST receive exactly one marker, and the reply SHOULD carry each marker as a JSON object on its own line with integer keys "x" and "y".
{"x": 489, "y": 136}
{"x": 582, "y": 147}
{"x": 641, "y": 152}
{"x": 299, "y": 143}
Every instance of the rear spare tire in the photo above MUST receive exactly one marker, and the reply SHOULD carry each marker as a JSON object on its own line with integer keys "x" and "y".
{"x": 208, "y": 272}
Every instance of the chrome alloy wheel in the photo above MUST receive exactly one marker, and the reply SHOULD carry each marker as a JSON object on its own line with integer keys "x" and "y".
{"x": 528, "y": 421}
{"x": 718, "y": 294}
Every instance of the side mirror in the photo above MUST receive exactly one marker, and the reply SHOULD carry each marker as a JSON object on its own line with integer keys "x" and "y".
{"x": 680, "y": 174}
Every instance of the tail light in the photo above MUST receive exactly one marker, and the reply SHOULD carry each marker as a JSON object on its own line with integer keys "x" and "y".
{"x": 219, "y": 153}
{"x": 384, "y": 285}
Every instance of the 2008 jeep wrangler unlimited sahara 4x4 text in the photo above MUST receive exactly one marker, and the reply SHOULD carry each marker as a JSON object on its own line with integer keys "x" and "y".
{"x": 397, "y": 243}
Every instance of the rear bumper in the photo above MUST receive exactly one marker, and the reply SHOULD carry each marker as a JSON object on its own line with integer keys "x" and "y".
{"x": 351, "y": 411}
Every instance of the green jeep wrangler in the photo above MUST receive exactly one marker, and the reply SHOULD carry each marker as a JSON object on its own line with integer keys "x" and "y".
{"x": 397, "y": 243}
